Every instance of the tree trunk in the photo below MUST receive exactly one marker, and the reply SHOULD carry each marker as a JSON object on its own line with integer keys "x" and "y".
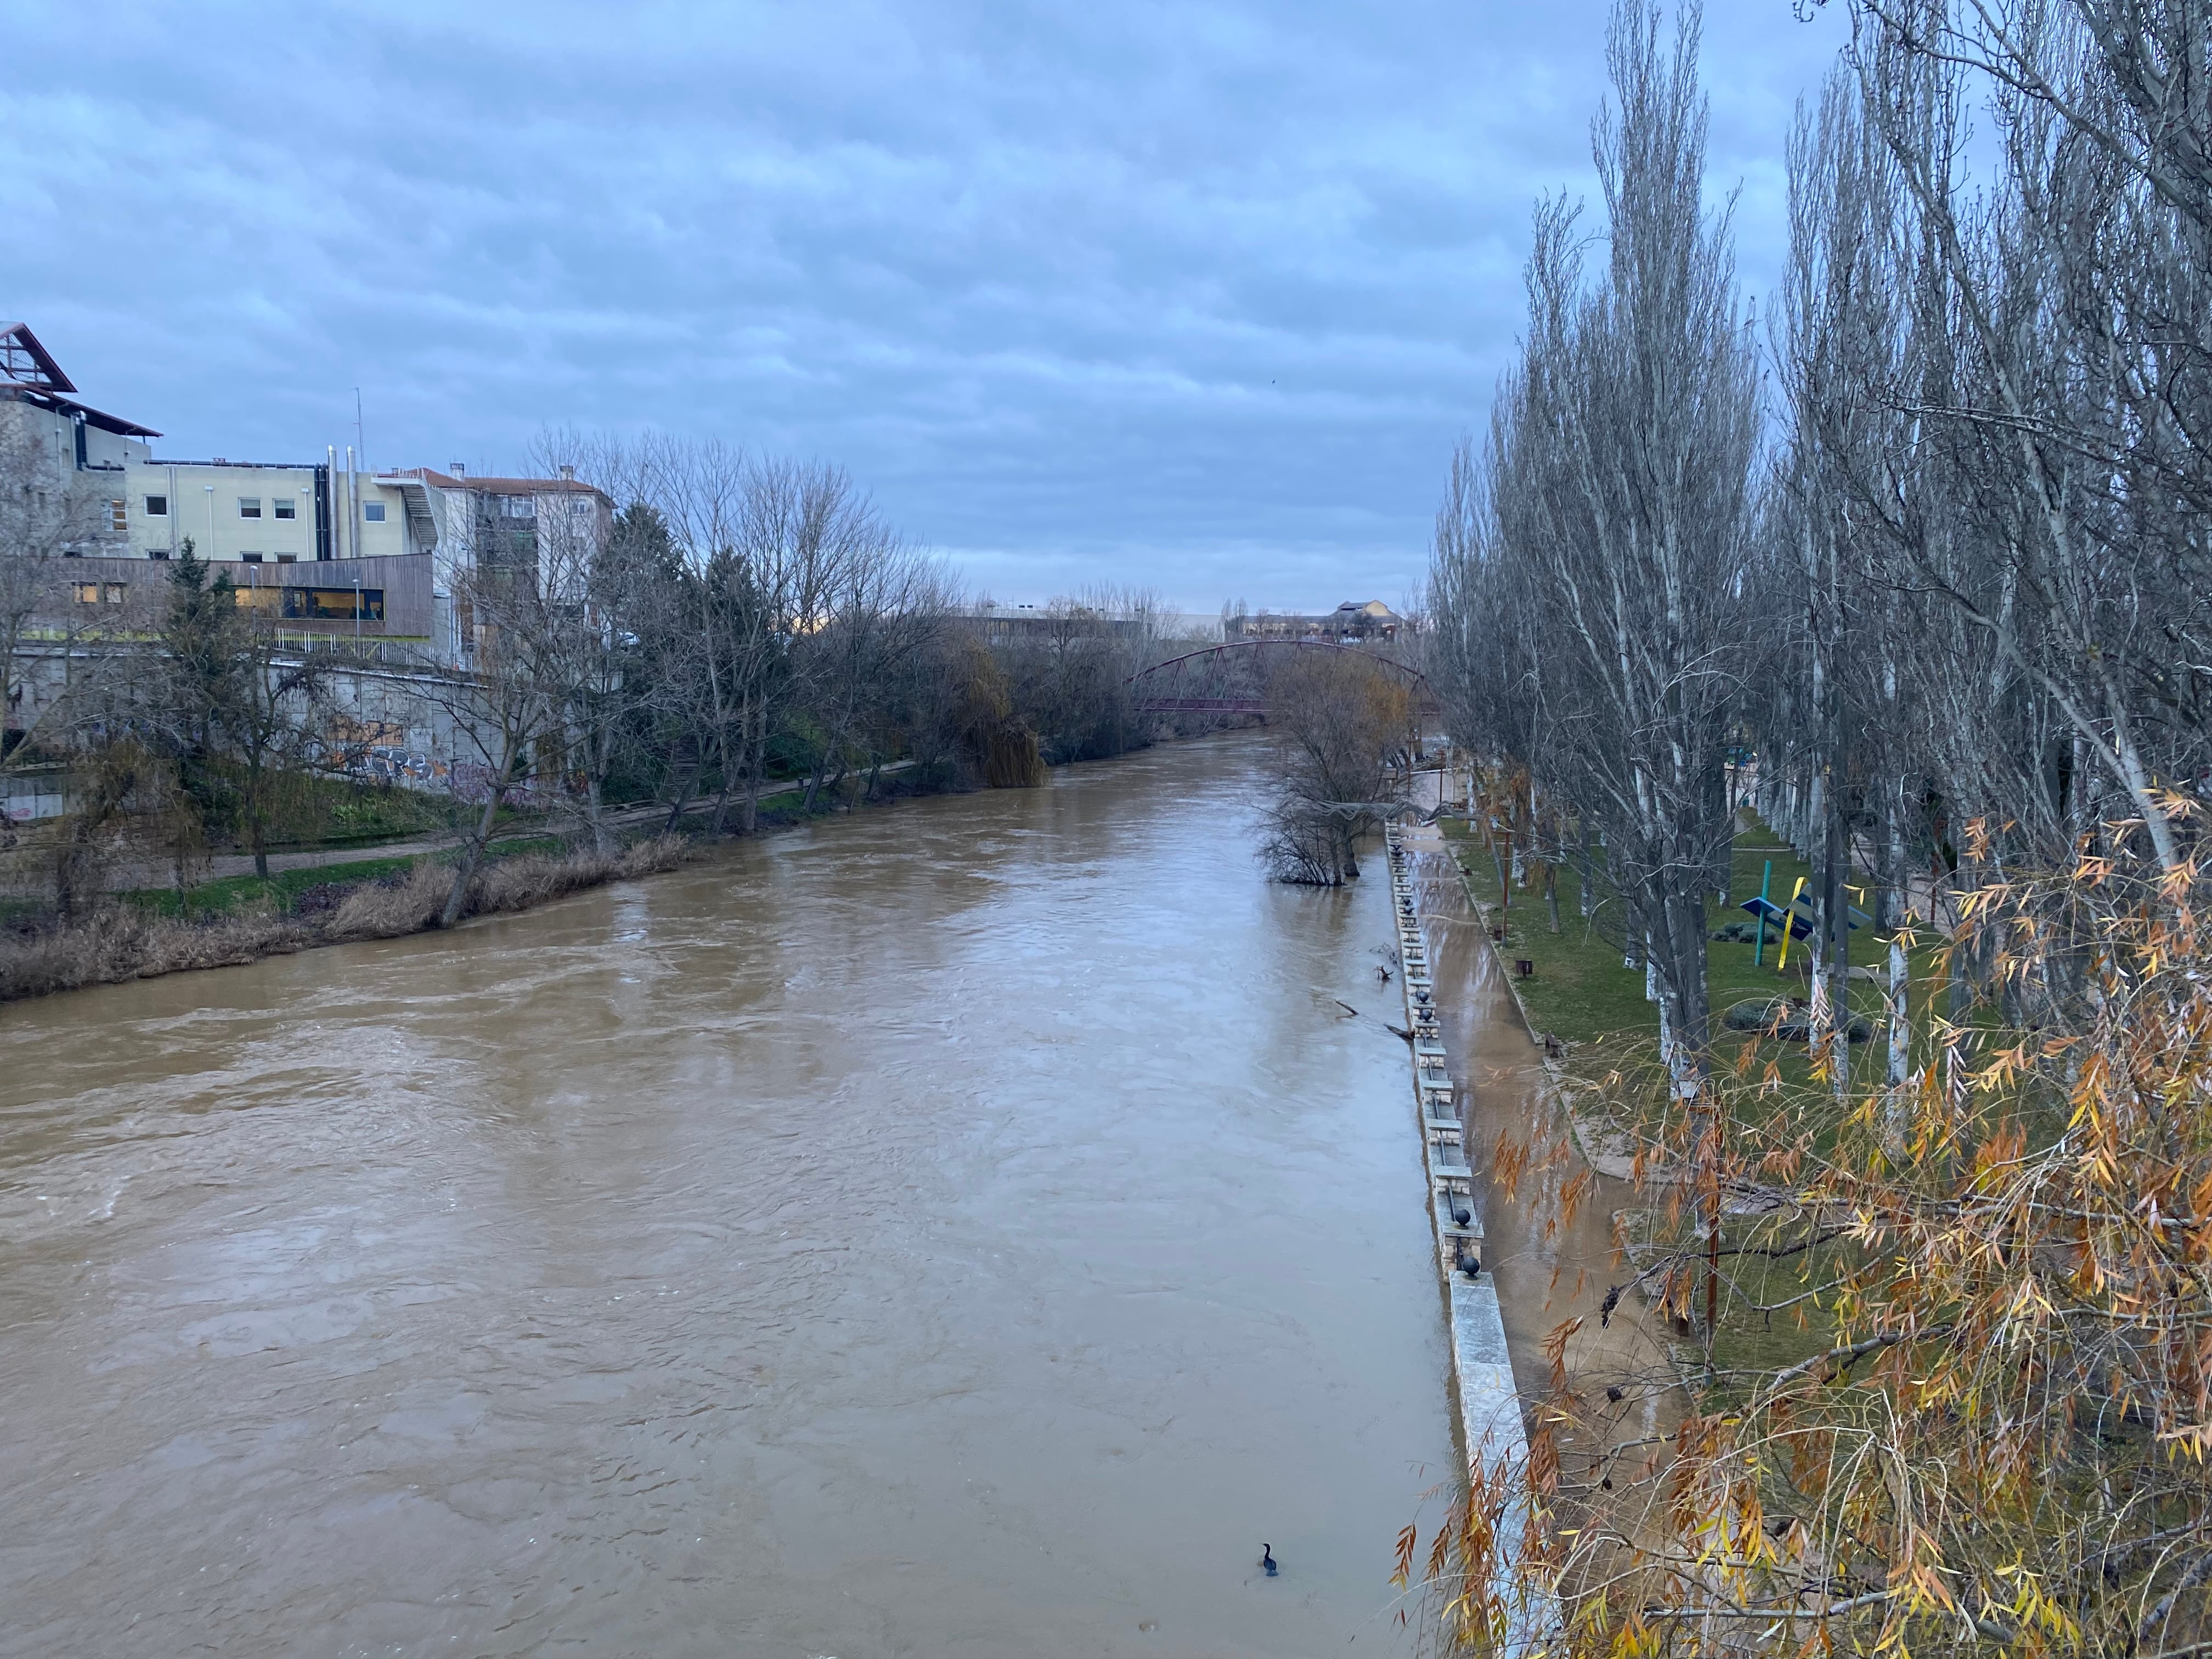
{"x": 758, "y": 765}
{"x": 682, "y": 799}
{"x": 472, "y": 854}
{"x": 722, "y": 799}
{"x": 256, "y": 830}
{"x": 1835, "y": 965}
{"x": 597, "y": 811}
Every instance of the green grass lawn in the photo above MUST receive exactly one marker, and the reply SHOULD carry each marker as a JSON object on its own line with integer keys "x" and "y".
{"x": 232, "y": 895}
{"x": 1581, "y": 993}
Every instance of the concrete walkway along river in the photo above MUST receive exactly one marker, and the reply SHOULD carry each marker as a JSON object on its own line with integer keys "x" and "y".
{"x": 972, "y": 1226}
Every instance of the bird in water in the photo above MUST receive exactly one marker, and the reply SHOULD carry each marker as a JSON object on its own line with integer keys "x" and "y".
{"x": 1267, "y": 1559}
{"x": 1385, "y": 972}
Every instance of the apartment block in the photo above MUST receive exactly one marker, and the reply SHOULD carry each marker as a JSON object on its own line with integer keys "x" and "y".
{"x": 553, "y": 525}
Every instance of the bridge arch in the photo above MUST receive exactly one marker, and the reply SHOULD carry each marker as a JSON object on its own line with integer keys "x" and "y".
{"x": 1194, "y": 683}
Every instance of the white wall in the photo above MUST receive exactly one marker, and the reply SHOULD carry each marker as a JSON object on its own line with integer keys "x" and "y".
{"x": 207, "y": 502}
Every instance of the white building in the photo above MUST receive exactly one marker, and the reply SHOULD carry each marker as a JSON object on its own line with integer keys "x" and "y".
{"x": 273, "y": 513}
{"x": 552, "y": 525}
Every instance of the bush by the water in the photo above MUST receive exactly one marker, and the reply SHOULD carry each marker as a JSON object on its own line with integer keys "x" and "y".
{"x": 118, "y": 942}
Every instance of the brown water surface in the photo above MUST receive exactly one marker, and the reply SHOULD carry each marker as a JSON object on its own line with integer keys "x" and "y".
{"x": 971, "y": 1227}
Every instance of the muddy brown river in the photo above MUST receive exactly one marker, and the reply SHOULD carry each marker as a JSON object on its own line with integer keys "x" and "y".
{"x": 968, "y": 1227}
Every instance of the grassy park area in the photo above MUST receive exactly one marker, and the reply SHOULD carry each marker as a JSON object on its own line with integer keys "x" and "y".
{"x": 1579, "y": 990}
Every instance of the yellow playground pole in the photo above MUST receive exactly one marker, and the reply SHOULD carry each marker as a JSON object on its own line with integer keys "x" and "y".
{"x": 1788, "y": 921}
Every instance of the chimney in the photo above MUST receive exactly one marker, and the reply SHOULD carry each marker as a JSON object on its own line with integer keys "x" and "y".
{"x": 458, "y": 469}
{"x": 568, "y": 473}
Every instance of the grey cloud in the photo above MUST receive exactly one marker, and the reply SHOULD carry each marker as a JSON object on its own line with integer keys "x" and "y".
{"x": 1195, "y": 295}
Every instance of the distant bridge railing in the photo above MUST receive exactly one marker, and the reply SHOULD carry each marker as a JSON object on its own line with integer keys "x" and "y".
{"x": 1162, "y": 688}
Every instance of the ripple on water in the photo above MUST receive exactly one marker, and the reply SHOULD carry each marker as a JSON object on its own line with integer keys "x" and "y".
{"x": 964, "y": 1224}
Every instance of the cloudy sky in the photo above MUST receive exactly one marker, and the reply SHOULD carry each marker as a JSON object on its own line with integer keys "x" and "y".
{"x": 1193, "y": 296}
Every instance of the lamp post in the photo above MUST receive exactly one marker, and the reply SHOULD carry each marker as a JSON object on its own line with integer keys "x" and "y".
{"x": 357, "y": 712}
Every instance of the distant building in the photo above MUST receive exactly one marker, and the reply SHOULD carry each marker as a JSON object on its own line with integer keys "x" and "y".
{"x": 1351, "y": 622}
{"x": 1010, "y": 624}
{"x": 550, "y": 524}
{"x": 378, "y": 567}
{"x": 272, "y": 513}
{"x": 63, "y": 463}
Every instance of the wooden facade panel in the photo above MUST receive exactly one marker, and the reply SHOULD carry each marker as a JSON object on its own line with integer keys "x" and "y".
{"x": 132, "y": 591}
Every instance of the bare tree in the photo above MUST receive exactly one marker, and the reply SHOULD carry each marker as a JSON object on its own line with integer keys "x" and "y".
{"x": 542, "y": 653}
{"x": 1343, "y": 725}
{"x": 1617, "y": 514}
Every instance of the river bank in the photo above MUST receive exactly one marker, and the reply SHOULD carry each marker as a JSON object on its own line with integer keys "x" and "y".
{"x": 364, "y": 893}
{"x": 121, "y": 941}
{"x": 1595, "y": 1376}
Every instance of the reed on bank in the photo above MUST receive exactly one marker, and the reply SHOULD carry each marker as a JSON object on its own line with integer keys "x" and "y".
{"x": 120, "y": 940}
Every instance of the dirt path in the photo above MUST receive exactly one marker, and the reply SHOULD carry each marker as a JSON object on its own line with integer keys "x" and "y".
{"x": 1553, "y": 1263}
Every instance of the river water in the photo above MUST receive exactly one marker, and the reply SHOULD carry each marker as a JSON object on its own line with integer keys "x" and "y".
{"x": 971, "y": 1226}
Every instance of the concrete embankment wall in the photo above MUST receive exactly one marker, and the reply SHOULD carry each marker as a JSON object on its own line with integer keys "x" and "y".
{"x": 1488, "y": 1407}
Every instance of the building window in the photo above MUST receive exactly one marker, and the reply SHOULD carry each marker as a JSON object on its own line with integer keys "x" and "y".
{"x": 111, "y": 593}
{"x": 284, "y": 507}
{"x": 118, "y": 515}
{"x": 373, "y": 510}
{"x": 157, "y": 506}
{"x": 288, "y": 558}
{"x": 249, "y": 506}
{"x": 249, "y": 558}
{"x": 334, "y": 604}
{"x": 157, "y": 553}
{"x": 86, "y": 592}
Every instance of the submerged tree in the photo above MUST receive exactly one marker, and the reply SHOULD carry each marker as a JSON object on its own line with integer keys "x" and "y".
{"x": 1340, "y": 721}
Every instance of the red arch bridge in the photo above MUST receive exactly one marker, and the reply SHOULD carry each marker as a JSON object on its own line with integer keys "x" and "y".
{"x": 1223, "y": 679}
